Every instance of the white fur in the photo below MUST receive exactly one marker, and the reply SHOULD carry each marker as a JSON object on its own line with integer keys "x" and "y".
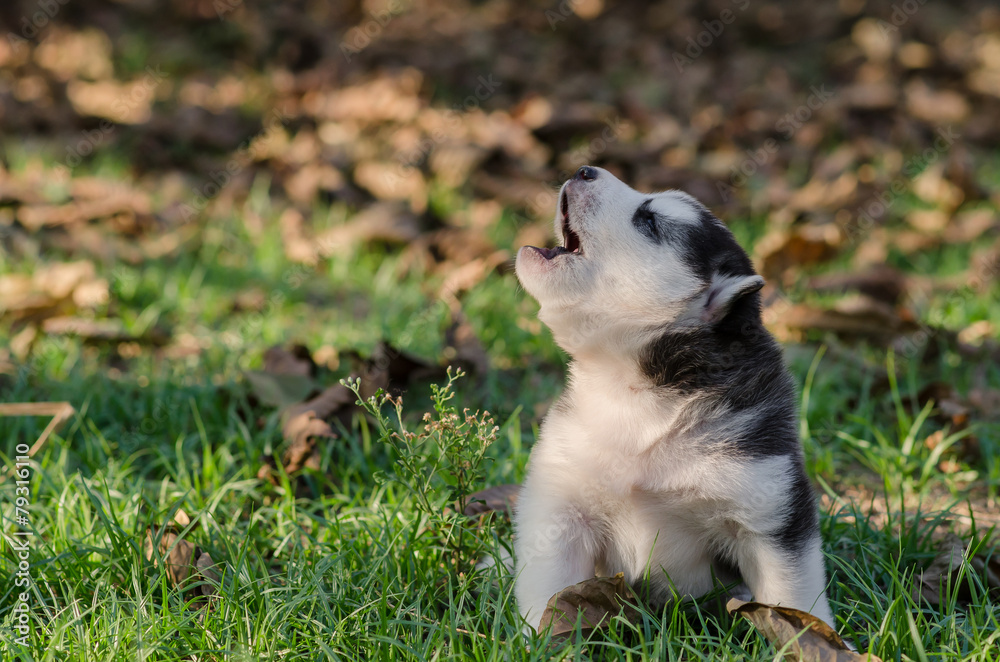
{"x": 624, "y": 478}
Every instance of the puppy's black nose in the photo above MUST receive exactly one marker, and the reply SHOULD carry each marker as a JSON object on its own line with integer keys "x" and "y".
{"x": 586, "y": 173}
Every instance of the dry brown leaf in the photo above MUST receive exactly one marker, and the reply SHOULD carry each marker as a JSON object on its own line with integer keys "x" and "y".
{"x": 299, "y": 246}
{"x": 881, "y": 283}
{"x": 52, "y": 289}
{"x": 19, "y": 296}
{"x": 60, "y": 279}
{"x": 303, "y": 432}
{"x": 530, "y": 195}
{"x": 870, "y": 95}
{"x": 23, "y": 340}
{"x": 181, "y": 518}
{"x": 383, "y": 221}
{"x": 932, "y": 186}
{"x": 188, "y": 568}
{"x": 592, "y": 603}
{"x": 942, "y": 572}
{"x": 853, "y": 319}
{"x": 252, "y": 299}
{"x": 783, "y": 250}
{"x": 804, "y": 637}
{"x": 332, "y": 400}
{"x": 209, "y": 570}
{"x": 499, "y": 499}
{"x": 70, "y": 53}
{"x": 297, "y": 361}
{"x": 104, "y": 99}
{"x": 465, "y": 256}
{"x": 35, "y": 217}
{"x": 936, "y": 107}
{"x": 108, "y": 330}
{"x": 177, "y": 554}
{"x": 977, "y": 332}
{"x": 389, "y": 180}
{"x": 287, "y": 377}
{"x": 945, "y": 572}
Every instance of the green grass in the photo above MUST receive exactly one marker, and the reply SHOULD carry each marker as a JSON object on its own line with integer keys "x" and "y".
{"x": 358, "y": 569}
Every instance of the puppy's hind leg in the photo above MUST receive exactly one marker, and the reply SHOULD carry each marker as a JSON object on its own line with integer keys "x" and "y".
{"x": 790, "y": 579}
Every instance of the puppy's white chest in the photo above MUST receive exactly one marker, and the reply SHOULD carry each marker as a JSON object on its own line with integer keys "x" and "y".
{"x": 608, "y": 414}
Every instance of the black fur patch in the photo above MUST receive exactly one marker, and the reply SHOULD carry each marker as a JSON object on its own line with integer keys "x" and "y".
{"x": 739, "y": 362}
{"x": 801, "y": 519}
{"x": 657, "y": 228}
{"x": 736, "y": 359}
{"x": 709, "y": 248}
{"x": 646, "y": 222}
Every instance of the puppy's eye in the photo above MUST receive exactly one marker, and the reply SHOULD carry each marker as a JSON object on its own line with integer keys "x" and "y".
{"x": 644, "y": 221}
{"x": 649, "y": 218}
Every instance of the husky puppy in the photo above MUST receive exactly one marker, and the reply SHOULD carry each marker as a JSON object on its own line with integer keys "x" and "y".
{"x": 673, "y": 454}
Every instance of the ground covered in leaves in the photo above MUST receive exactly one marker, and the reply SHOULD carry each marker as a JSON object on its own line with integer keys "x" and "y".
{"x": 227, "y": 225}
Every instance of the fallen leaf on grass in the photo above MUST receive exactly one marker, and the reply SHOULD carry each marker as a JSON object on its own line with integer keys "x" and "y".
{"x": 52, "y": 289}
{"x": 390, "y": 223}
{"x": 287, "y": 381}
{"x": 943, "y": 574}
{"x": 125, "y": 207}
{"x": 881, "y": 282}
{"x": 804, "y": 637}
{"x": 304, "y": 430}
{"x": 299, "y": 246}
{"x": 187, "y": 566}
{"x": 855, "y": 318}
{"x": 296, "y": 361}
{"x": 784, "y": 250}
{"x": 336, "y": 399}
{"x": 464, "y": 256}
{"x": 976, "y": 333}
{"x": 869, "y": 96}
{"x": 951, "y": 553}
{"x": 592, "y": 603}
{"x": 499, "y": 499}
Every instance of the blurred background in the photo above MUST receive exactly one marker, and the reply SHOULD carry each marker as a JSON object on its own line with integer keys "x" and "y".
{"x": 185, "y": 184}
{"x": 212, "y": 211}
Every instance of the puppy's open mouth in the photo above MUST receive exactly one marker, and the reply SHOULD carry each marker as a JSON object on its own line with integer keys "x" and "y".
{"x": 571, "y": 240}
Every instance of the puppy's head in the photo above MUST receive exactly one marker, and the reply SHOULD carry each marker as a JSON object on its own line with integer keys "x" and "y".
{"x": 632, "y": 264}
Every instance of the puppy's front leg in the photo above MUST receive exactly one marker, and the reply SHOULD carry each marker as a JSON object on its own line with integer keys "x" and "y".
{"x": 789, "y": 579}
{"x": 554, "y": 548}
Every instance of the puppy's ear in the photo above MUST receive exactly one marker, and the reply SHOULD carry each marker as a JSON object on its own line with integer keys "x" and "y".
{"x": 724, "y": 292}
